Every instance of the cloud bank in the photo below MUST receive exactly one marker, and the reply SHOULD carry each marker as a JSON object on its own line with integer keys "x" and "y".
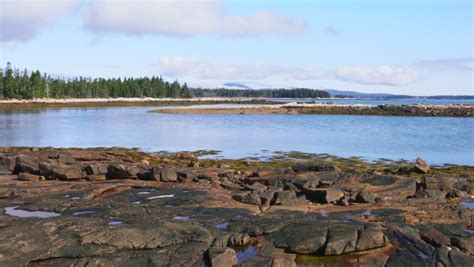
{"x": 21, "y": 20}
{"x": 383, "y": 74}
{"x": 184, "y": 19}
{"x": 184, "y": 67}
{"x": 180, "y": 66}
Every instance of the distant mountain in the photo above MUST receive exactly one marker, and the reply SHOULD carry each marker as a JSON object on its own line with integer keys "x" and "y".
{"x": 340, "y": 93}
{"x": 235, "y": 85}
{"x": 354, "y": 94}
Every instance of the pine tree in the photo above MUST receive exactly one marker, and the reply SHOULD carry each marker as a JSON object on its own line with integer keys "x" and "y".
{"x": 8, "y": 82}
{"x": 185, "y": 92}
{"x": 1, "y": 83}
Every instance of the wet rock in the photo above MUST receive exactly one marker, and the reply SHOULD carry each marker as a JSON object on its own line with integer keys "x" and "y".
{"x": 435, "y": 238}
{"x": 24, "y": 176}
{"x": 323, "y": 195}
{"x": 371, "y": 239}
{"x": 301, "y": 238}
{"x": 62, "y": 172}
{"x": 421, "y": 166}
{"x": 222, "y": 257}
{"x": 341, "y": 239}
{"x": 27, "y": 164}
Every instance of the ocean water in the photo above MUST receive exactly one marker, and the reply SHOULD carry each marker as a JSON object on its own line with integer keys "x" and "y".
{"x": 438, "y": 140}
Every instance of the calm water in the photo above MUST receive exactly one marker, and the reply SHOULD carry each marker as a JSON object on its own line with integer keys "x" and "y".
{"x": 382, "y": 101}
{"x": 438, "y": 140}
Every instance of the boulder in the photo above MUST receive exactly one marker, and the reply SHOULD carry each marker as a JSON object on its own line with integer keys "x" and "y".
{"x": 364, "y": 196}
{"x": 304, "y": 180}
{"x": 256, "y": 186}
{"x": 431, "y": 193}
{"x": 27, "y": 164}
{"x": 24, "y": 176}
{"x": 285, "y": 198}
{"x": 267, "y": 197}
{"x": 120, "y": 171}
{"x": 421, "y": 166}
{"x": 94, "y": 169}
{"x": 168, "y": 174}
{"x": 323, "y": 195}
{"x": 222, "y": 257}
{"x": 65, "y": 158}
{"x": 443, "y": 183}
{"x": 187, "y": 174}
{"x": 248, "y": 198}
{"x": 62, "y": 172}
{"x": 7, "y": 165}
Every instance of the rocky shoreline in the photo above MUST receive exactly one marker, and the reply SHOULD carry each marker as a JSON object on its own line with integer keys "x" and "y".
{"x": 109, "y": 207}
{"x": 303, "y": 108}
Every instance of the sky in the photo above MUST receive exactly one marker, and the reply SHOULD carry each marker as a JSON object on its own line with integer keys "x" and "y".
{"x": 415, "y": 47}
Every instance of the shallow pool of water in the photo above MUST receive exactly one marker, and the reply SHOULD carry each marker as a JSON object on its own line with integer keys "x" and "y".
{"x": 15, "y": 211}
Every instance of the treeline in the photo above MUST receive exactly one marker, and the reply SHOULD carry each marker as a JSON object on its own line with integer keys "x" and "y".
{"x": 27, "y": 85}
{"x": 270, "y": 93}
{"x": 16, "y": 84}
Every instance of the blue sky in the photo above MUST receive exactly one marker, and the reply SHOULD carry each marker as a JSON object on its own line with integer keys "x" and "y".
{"x": 406, "y": 47}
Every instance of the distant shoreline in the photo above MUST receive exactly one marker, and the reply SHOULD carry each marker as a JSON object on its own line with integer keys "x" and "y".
{"x": 125, "y": 102}
{"x": 451, "y": 110}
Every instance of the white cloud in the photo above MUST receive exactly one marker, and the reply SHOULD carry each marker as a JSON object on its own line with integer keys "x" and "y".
{"x": 21, "y": 20}
{"x": 184, "y": 18}
{"x": 383, "y": 74}
{"x": 447, "y": 64}
{"x": 182, "y": 67}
